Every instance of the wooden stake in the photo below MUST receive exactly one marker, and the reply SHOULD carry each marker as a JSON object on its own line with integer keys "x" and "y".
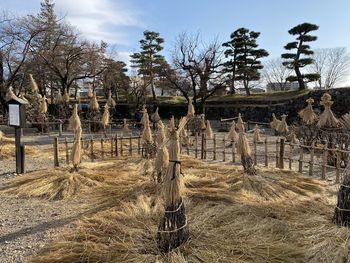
{"x": 281, "y": 157}
{"x": 116, "y": 145}
{"x": 214, "y": 147}
{"x": 324, "y": 163}
{"x": 67, "y": 153}
{"x": 311, "y": 163}
{"x": 196, "y": 146}
{"x": 337, "y": 173}
{"x": 224, "y": 152}
{"x": 255, "y": 152}
{"x": 139, "y": 145}
{"x": 291, "y": 148}
{"x": 202, "y": 146}
{"x": 112, "y": 146}
{"x": 266, "y": 153}
{"x": 301, "y": 157}
{"x": 121, "y": 146}
{"x": 55, "y": 152}
{"x": 130, "y": 143}
{"x": 92, "y": 149}
{"x": 233, "y": 151}
{"x": 277, "y": 149}
{"x": 102, "y": 150}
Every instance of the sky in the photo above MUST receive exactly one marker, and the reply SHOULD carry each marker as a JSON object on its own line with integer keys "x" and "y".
{"x": 122, "y": 22}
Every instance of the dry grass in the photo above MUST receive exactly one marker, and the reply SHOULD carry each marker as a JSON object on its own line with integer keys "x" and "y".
{"x": 8, "y": 150}
{"x": 271, "y": 217}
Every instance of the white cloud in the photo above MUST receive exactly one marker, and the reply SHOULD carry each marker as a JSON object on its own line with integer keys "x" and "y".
{"x": 100, "y": 19}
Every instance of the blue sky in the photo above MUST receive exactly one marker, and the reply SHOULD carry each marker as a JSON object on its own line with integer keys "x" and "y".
{"x": 121, "y": 22}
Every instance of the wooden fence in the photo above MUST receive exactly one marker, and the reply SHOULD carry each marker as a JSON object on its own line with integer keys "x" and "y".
{"x": 270, "y": 152}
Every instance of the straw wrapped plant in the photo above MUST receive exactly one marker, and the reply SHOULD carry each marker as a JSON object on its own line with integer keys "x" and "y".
{"x": 282, "y": 126}
{"x": 43, "y": 105}
{"x": 105, "y": 118}
{"x": 33, "y": 84}
{"x": 74, "y": 120}
{"x": 110, "y": 101}
{"x": 342, "y": 209}
{"x": 307, "y": 114}
{"x": 149, "y": 148}
{"x": 232, "y": 134}
{"x": 126, "y": 131}
{"x": 256, "y": 136}
{"x": 292, "y": 137}
{"x": 203, "y": 125}
{"x": 162, "y": 155}
{"x": 190, "y": 109}
{"x": 58, "y": 99}
{"x": 185, "y": 138}
{"x": 155, "y": 116}
{"x": 327, "y": 118}
{"x": 275, "y": 122}
{"x": 94, "y": 114}
{"x": 240, "y": 124}
{"x": 173, "y": 229}
{"x": 244, "y": 150}
{"x": 209, "y": 131}
{"x": 65, "y": 97}
{"x": 90, "y": 93}
{"x": 75, "y": 125}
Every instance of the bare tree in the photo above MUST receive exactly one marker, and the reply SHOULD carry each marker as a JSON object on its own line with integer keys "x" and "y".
{"x": 332, "y": 64}
{"x": 275, "y": 74}
{"x": 197, "y": 64}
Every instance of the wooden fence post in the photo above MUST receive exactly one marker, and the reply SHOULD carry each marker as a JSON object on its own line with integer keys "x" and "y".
{"x": 277, "y": 149}
{"x": 180, "y": 144}
{"x": 55, "y": 152}
{"x": 102, "y": 150}
{"x": 214, "y": 147}
{"x": 255, "y": 152}
{"x": 130, "y": 142}
{"x": 281, "y": 157}
{"x": 224, "y": 150}
{"x": 301, "y": 157}
{"x": 324, "y": 163}
{"x": 188, "y": 146}
{"x": 121, "y": 146}
{"x": 196, "y": 146}
{"x": 112, "y": 146}
{"x": 92, "y": 149}
{"x": 233, "y": 151}
{"x": 311, "y": 163}
{"x": 67, "y": 152}
{"x": 116, "y": 145}
{"x": 139, "y": 145}
{"x": 202, "y": 146}
{"x": 291, "y": 148}
{"x": 337, "y": 173}
{"x": 60, "y": 130}
{"x": 266, "y": 153}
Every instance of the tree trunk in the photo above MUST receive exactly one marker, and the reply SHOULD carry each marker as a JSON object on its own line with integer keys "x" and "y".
{"x": 153, "y": 90}
{"x": 299, "y": 78}
{"x": 2, "y": 86}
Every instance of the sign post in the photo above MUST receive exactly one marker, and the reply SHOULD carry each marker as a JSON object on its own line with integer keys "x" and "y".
{"x": 17, "y": 119}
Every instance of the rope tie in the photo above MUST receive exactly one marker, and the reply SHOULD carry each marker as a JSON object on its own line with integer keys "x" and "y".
{"x": 174, "y": 167}
{"x": 174, "y": 211}
{"x": 175, "y": 230}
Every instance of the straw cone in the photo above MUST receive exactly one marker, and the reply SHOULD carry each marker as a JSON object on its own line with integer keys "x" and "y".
{"x": 275, "y": 122}
{"x": 58, "y": 97}
{"x": 307, "y": 114}
{"x": 282, "y": 126}
{"x": 257, "y": 137}
{"x": 144, "y": 114}
{"x": 76, "y": 149}
{"x": 155, "y": 116}
{"x": 291, "y": 137}
{"x": 209, "y": 131}
{"x": 190, "y": 109}
{"x": 185, "y": 139}
{"x": 160, "y": 139}
{"x": 172, "y": 123}
{"x": 94, "y": 103}
{"x": 327, "y": 118}
{"x": 74, "y": 120}
{"x": 105, "y": 117}
{"x": 126, "y": 130}
{"x": 240, "y": 124}
{"x": 203, "y": 125}
{"x": 110, "y": 101}
{"x": 43, "y": 105}
{"x": 33, "y": 84}
{"x": 146, "y": 136}
{"x": 243, "y": 147}
{"x": 232, "y": 134}
{"x": 65, "y": 98}
{"x": 90, "y": 93}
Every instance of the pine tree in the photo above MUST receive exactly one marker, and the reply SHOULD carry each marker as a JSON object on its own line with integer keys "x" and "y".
{"x": 301, "y": 57}
{"x": 149, "y": 60}
{"x": 245, "y": 63}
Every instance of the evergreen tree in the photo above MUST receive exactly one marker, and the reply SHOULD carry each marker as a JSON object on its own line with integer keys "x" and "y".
{"x": 301, "y": 55}
{"x": 149, "y": 60}
{"x": 245, "y": 63}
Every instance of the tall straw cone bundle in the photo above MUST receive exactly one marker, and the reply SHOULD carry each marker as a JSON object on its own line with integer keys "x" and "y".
{"x": 307, "y": 114}
{"x": 292, "y": 137}
{"x": 232, "y": 134}
{"x": 155, "y": 116}
{"x": 203, "y": 125}
{"x": 327, "y": 118}
{"x": 58, "y": 98}
{"x": 90, "y": 93}
{"x": 162, "y": 155}
{"x": 65, "y": 98}
{"x": 256, "y": 135}
{"x": 209, "y": 131}
{"x": 275, "y": 122}
{"x": 146, "y": 136}
{"x": 190, "y": 109}
{"x": 43, "y": 105}
{"x": 94, "y": 106}
{"x": 76, "y": 149}
{"x": 171, "y": 125}
{"x": 105, "y": 117}
{"x": 110, "y": 101}
{"x": 173, "y": 228}
{"x": 185, "y": 139}
{"x": 240, "y": 124}
{"x": 244, "y": 149}
{"x": 126, "y": 131}
{"x": 282, "y": 126}
{"x": 144, "y": 114}
{"x": 74, "y": 120}
{"x": 33, "y": 84}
